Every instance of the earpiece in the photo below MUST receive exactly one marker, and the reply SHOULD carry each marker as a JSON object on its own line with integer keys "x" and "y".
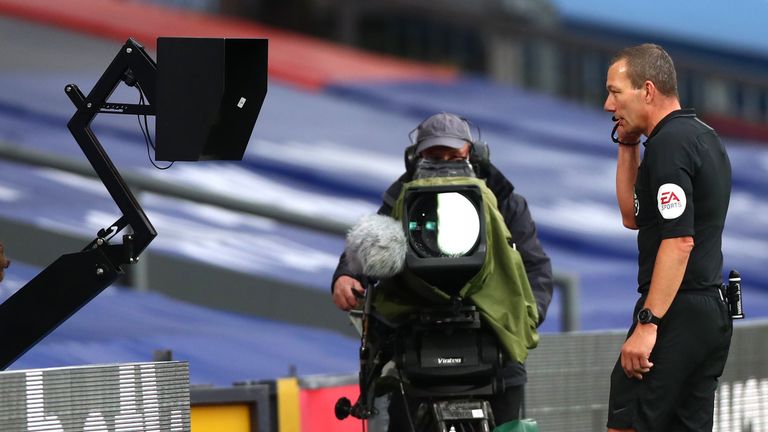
{"x": 480, "y": 158}
{"x": 411, "y": 158}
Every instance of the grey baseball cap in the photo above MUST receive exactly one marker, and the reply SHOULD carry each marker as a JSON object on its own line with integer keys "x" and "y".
{"x": 442, "y": 129}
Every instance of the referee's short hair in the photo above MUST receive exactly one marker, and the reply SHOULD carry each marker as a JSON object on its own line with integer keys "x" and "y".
{"x": 649, "y": 62}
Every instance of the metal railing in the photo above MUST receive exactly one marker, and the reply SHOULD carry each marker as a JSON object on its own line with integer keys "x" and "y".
{"x": 568, "y": 284}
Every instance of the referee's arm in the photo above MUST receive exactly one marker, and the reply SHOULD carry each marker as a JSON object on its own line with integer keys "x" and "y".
{"x": 626, "y": 173}
{"x": 668, "y": 272}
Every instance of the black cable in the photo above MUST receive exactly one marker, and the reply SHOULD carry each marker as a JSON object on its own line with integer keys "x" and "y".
{"x": 145, "y": 131}
{"x": 405, "y": 401}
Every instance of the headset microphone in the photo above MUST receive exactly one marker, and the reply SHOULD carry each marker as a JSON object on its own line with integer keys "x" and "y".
{"x": 615, "y": 136}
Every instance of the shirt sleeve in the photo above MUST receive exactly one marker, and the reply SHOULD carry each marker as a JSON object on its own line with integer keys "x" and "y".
{"x": 672, "y": 166}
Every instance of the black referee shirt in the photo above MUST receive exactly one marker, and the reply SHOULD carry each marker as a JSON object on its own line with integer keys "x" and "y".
{"x": 683, "y": 188}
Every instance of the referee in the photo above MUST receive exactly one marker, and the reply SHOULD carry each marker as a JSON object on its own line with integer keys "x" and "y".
{"x": 677, "y": 198}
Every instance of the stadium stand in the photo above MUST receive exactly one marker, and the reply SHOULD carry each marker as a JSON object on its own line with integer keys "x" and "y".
{"x": 329, "y": 112}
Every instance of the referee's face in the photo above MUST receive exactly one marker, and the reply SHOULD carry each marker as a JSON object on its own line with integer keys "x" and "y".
{"x": 625, "y": 102}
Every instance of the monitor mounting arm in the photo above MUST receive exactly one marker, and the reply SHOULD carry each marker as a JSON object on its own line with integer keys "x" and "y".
{"x": 73, "y": 280}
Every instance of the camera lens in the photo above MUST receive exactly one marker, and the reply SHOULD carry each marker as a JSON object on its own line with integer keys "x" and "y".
{"x": 422, "y": 226}
{"x": 443, "y": 224}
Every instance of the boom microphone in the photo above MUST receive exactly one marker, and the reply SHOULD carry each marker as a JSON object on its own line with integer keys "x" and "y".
{"x": 376, "y": 247}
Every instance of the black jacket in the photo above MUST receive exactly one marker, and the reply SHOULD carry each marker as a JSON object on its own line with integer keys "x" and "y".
{"x": 517, "y": 217}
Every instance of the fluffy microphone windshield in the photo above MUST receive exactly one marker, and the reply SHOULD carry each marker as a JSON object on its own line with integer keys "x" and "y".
{"x": 376, "y": 246}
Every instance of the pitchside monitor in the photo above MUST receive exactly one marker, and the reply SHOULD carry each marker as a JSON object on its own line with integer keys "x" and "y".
{"x": 209, "y": 94}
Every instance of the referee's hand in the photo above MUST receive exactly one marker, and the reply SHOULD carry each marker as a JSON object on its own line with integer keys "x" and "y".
{"x": 637, "y": 350}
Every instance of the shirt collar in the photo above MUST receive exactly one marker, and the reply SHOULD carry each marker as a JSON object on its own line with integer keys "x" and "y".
{"x": 674, "y": 114}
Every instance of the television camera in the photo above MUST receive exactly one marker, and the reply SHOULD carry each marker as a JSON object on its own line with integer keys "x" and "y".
{"x": 446, "y": 360}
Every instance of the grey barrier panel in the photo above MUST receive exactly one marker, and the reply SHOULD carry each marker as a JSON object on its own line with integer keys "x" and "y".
{"x": 741, "y": 403}
{"x": 132, "y": 396}
{"x": 568, "y": 380}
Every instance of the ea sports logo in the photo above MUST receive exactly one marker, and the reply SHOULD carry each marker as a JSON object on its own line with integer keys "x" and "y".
{"x": 668, "y": 197}
{"x": 671, "y": 200}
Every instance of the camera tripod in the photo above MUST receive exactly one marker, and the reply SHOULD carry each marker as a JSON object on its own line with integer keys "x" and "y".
{"x": 454, "y": 415}
{"x": 445, "y": 360}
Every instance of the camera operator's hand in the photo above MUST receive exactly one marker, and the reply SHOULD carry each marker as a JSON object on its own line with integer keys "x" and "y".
{"x": 4, "y": 262}
{"x": 346, "y": 292}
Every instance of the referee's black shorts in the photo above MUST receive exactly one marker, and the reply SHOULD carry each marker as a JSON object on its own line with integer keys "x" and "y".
{"x": 689, "y": 356}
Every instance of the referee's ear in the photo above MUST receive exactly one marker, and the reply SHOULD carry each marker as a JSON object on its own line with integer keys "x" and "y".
{"x": 650, "y": 91}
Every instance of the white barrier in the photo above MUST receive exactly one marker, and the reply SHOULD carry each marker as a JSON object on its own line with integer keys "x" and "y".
{"x": 135, "y": 397}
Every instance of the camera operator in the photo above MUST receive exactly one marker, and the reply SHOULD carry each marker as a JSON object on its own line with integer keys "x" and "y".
{"x": 447, "y": 137}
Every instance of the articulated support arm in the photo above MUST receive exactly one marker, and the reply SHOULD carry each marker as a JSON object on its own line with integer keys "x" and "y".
{"x": 73, "y": 280}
